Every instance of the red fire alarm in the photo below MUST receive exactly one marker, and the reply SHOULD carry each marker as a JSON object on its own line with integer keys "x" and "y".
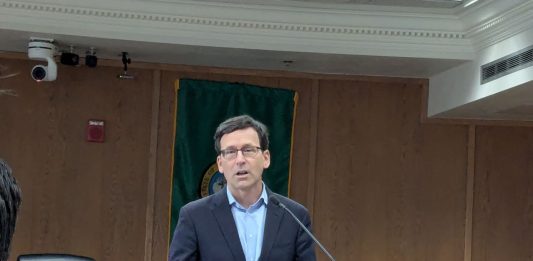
{"x": 95, "y": 131}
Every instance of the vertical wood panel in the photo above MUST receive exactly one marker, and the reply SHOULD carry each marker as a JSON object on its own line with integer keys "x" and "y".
{"x": 503, "y": 209}
{"x": 300, "y": 167}
{"x": 313, "y": 121}
{"x": 388, "y": 188}
{"x": 152, "y": 166}
{"x": 470, "y": 191}
{"x": 164, "y": 167}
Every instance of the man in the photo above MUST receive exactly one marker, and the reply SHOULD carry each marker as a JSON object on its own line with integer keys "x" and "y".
{"x": 9, "y": 204}
{"x": 240, "y": 222}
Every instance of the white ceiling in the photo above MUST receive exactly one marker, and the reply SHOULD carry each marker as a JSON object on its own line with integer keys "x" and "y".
{"x": 107, "y": 47}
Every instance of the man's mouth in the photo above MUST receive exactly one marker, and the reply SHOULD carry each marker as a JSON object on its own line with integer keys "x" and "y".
{"x": 242, "y": 173}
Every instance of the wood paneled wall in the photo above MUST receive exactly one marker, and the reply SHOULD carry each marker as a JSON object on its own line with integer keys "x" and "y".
{"x": 503, "y": 206}
{"x": 387, "y": 187}
{"x": 381, "y": 184}
{"x": 78, "y": 197}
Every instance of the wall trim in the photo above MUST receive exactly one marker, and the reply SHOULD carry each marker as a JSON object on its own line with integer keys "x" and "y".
{"x": 346, "y": 32}
{"x": 395, "y": 33}
{"x": 502, "y": 26}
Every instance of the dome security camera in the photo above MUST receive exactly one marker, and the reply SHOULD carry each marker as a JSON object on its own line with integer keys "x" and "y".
{"x": 43, "y": 50}
{"x": 44, "y": 73}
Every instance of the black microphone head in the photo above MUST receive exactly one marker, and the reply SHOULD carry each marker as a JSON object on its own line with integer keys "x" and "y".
{"x": 274, "y": 200}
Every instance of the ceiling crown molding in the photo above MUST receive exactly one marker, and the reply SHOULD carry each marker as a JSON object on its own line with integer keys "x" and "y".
{"x": 379, "y": 33}
{"x": 366, "y": 31}
{"x": 504, "y": 25}
{"x": 233, "y": 23}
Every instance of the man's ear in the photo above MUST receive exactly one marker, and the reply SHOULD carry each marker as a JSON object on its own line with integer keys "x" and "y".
{"x": 219, "y": 164}
{"x": 266, "y": 159}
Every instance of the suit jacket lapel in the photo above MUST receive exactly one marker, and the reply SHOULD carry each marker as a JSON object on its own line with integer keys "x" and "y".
{"x": 222, "y": 212}
{"x": 274, "y": 215}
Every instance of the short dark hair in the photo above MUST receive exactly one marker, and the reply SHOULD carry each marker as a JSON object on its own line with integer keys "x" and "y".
{"x": 9, "y": 205}
{"x": 239, "y": 123}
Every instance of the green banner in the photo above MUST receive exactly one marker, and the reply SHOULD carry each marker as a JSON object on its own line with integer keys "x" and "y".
{"x": 201, "y": 106}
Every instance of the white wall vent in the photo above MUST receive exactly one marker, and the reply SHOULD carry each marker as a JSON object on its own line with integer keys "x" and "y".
{"x": 506, "y": 65}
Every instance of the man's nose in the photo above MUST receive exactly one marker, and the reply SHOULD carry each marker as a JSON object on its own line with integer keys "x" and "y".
{"x": 240, "y": 157}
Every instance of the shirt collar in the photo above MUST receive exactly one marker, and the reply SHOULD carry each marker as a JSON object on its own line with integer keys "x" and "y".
{"x": 263, "y": 196}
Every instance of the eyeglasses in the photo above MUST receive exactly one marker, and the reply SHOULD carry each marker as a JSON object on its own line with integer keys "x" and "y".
{"x": 247, "y": 152}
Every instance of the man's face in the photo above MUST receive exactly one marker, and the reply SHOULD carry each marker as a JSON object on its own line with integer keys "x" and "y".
{"x": 243, "y": 172}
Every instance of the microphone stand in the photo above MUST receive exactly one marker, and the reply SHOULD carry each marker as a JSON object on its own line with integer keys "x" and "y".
{"x": 277, "y": 202}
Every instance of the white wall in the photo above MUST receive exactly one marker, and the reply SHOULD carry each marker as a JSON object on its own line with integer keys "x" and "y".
{"x": 462, "y": 85}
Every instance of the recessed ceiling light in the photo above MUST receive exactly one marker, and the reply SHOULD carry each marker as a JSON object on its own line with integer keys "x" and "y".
{"x": 470, "y": 3}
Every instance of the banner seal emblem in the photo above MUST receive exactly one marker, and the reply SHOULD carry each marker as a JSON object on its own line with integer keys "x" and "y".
{"x": 212, "y": 181}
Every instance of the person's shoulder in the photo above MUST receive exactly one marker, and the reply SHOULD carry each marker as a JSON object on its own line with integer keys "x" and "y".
{"x": 202, "y": 203}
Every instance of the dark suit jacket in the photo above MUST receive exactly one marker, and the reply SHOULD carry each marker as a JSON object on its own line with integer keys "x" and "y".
{"x": 206, "y": 231}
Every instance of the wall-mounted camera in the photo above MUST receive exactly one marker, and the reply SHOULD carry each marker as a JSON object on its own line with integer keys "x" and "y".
{"x": 90, "y": 58}
{"x": 70, "y": 57}
{"x": 43, "y": 49}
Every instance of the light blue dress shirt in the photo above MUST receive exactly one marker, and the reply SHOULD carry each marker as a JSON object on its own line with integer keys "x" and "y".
{"x": 250, "y": 224}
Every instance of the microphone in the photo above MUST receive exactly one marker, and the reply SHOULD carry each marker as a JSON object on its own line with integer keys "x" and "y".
{"x": 276, "y": 202}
